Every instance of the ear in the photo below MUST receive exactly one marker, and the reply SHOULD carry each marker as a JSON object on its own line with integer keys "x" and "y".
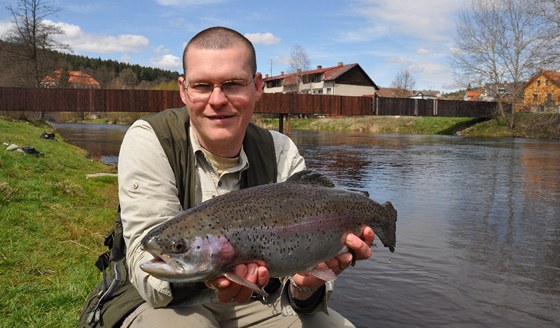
{"x": 182, "y": 92}
{"x": 259, "y": 86}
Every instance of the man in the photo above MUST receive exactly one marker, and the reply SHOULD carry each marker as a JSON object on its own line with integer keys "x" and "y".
{"x": 178, "y": 158}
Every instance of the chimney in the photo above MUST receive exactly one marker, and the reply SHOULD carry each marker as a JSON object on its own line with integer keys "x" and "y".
{"x": 340, "y": 64}
{"x": 319, "y": 66}
{"x": 281, "y": 73}
{"x": 266, "y": 76}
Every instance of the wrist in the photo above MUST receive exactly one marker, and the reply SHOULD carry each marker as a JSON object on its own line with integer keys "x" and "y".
{"x": 301, "y": 292}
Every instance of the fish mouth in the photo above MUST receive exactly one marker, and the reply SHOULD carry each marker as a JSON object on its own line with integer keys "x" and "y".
{"x": 162, "y": 264}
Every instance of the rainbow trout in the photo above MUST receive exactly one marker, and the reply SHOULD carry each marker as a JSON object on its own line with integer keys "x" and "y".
{"x": 290, "y": 227}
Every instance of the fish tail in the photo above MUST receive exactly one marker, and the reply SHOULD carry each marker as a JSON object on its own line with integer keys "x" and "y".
{"x": 389, "y": 239}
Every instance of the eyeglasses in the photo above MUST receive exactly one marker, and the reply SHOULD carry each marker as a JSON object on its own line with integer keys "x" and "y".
{"x": 200, "y": 91}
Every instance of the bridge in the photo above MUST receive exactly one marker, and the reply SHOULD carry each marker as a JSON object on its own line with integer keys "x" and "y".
{"x": 284, "y": 105}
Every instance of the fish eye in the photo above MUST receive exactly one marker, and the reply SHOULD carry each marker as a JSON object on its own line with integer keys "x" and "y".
{"x": 178, "y": 245}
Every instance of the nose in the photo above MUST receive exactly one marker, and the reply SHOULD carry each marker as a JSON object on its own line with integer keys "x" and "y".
{"x": 217, "y": 97}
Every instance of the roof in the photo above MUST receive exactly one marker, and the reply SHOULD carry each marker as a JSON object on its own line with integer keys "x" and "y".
{"x": 473, "y": 94}
{"x": 74, "y": 77}
{"x": 553, "y": 76}
{"x": 329, "y": 74}
{"x": 393, "y": 93}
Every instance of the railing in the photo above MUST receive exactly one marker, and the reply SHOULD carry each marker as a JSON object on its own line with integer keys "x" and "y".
{"x": 114, "y": 100}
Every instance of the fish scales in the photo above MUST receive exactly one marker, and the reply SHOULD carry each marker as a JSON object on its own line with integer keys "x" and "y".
{"x": 290, "y": 227}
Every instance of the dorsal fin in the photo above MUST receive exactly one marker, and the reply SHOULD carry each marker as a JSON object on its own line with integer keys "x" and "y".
{"x": 311, "y": 178}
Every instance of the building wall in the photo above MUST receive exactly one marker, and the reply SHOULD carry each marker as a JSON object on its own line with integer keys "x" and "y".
{"x": 537, "y": 93}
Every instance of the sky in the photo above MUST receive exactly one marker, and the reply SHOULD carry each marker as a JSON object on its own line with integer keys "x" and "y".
{"x": 385, "y": 37}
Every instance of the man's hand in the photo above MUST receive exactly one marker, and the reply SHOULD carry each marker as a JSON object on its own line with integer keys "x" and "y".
{"x": 361, "y": 250}
{"x": 227, "y": 290}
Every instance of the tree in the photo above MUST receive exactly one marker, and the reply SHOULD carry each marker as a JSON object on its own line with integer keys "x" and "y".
{"x": 31, "y": 39}
{"x": 403, "y": 82}
{"x": 127, "y": 78}
{"x": 500, "y": 41}
{"x": 299, "y": 62}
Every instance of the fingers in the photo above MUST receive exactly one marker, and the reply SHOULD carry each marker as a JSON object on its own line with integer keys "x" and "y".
{"x": 361, "y": 247}
{"x": 226, "y": 290}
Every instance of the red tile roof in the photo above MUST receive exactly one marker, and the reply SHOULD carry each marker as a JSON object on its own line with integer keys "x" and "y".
{"x": 553, "y": 76}
{"x": 74, "y": 77}
{"x": 329, "y": 73}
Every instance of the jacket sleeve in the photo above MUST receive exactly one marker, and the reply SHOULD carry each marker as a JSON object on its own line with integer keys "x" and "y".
{"x": 147, "y": 196}
{"x": 287, "y": 156}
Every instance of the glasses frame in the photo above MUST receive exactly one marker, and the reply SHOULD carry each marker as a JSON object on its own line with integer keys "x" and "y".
{"x": 213, "y": 86}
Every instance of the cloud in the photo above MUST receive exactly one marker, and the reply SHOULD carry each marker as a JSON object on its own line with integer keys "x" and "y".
{"x": 81, "y": 41}
{"x": 265, "y": 39}
{"x": 432, "y": 19}
{"x": 169, "y": 62}
{"x": 423, "y": 52}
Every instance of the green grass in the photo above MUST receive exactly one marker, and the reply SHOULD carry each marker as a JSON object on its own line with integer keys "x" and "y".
{"x": 53, "y": 221}
{"x": 527, "y": 125}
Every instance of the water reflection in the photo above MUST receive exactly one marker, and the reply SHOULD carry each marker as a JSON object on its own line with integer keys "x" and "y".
{"x": 478, "y": 233}
{"x": 100, "y": 140}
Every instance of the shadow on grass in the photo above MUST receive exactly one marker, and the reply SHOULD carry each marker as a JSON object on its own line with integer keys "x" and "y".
{"x": 452, "y": 130}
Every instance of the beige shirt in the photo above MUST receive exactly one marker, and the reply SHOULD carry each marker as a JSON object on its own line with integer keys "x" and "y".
{"x": 148, "y": 195}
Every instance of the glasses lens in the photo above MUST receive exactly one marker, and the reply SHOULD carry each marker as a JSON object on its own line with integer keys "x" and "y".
{"x": 201, "y": 91}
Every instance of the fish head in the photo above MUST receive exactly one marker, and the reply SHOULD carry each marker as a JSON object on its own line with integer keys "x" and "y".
{"x": 180, "y": 259}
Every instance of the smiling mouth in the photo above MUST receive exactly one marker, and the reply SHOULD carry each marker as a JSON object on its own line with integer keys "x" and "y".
{"x": 220, "y": 117}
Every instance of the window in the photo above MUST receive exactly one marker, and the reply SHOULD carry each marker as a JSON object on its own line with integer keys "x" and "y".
{"x": 329, "y": 91}
{"x": 274, "y": 84}
{"x": 538, "y": 83}
{"x": 315, "y": 78}
{"x": 535, "y": 97}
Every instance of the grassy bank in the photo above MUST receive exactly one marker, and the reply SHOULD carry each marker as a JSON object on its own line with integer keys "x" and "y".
{"x": 53, "y": 221}
{"x": 546, "y": 126}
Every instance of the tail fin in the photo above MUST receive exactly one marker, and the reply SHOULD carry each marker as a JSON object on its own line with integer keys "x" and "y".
{"x": 389, "y": 239}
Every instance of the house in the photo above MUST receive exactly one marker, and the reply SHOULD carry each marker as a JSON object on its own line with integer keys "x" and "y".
{"x": 70, "y": 79}
{"x": 543, "y": 90}
{"x": 473, "y": 95}
{"x": 425, "y": 94}
{"x": 340, "y": 80}
{"x": 393, "y": 93}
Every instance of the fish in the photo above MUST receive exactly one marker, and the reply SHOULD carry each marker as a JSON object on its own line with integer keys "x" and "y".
{"x": 289, "y": 227}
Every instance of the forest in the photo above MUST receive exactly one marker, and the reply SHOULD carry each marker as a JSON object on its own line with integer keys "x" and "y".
{"x": 111, "y": 74}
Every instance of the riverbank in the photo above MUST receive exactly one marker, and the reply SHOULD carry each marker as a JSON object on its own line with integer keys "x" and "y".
{"x": 527, "y": 125}
{"x": 53, "y": 224}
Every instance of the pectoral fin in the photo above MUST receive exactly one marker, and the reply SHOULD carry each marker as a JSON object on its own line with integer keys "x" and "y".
{"x": 246, "y": 283}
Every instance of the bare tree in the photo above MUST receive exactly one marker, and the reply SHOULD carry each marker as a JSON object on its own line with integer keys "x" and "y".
{"x": 299, "y": 60}
{"x": 31, "y": 39}
{"x": 299, "y": 63}
{"x": 403, "y": 82}
{"x": 499, "y": 41}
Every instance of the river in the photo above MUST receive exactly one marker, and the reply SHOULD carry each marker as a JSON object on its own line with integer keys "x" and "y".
{"x": 478, "y": 231}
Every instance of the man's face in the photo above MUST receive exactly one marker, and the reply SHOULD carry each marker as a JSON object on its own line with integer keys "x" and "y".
{"x": 220, "y": 119}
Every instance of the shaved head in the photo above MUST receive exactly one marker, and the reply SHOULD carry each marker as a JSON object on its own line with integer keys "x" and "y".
{"x": 221, "y": 38}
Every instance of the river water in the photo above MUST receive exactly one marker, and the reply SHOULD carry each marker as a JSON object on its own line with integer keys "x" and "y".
{"x": 478, "y": 231}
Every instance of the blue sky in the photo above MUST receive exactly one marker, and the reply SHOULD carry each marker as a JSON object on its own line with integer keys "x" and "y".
{"x": 384, "y": 36}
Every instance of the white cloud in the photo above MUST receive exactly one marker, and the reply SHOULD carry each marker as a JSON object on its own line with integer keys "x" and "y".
{"x": 432, "y": 19}
{"x": 169, "y": 62}
{"x": 266, "y": 39}
{"x": 5, "y": 26}
{"x": 81, "y": 41}
{"x": 423, "y": 52}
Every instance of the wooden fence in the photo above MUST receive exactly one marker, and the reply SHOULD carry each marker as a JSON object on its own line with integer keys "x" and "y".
{"x": 113, "y": 100}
